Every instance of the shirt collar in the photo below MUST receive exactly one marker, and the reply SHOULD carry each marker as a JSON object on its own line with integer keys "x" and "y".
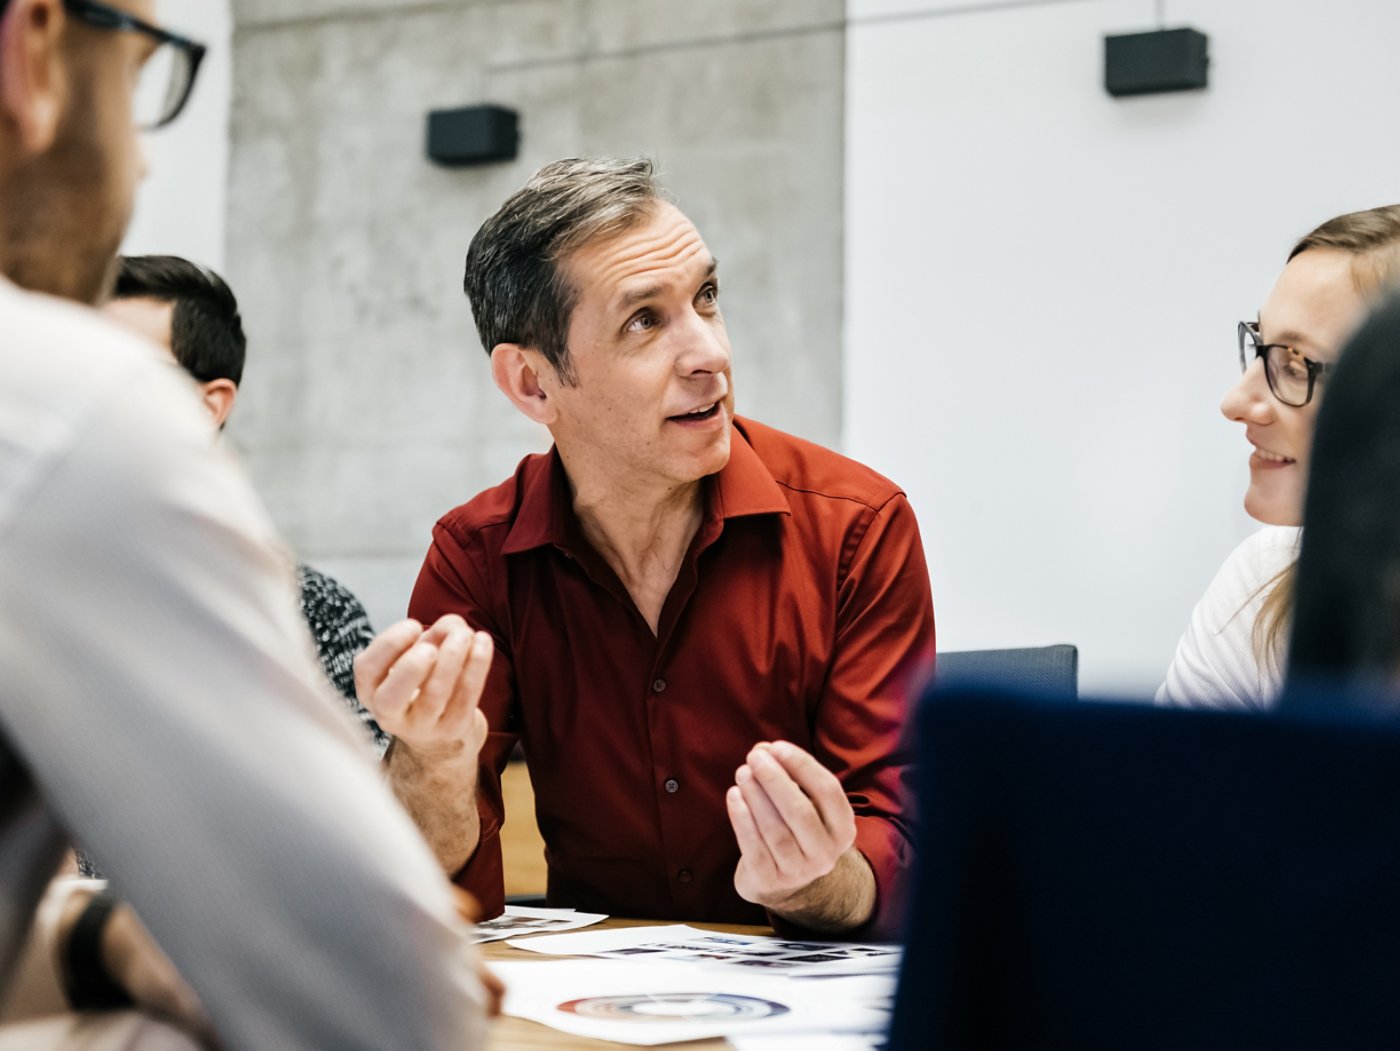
{"x": 546, "y": 506}
{"x": 743, "y": 487}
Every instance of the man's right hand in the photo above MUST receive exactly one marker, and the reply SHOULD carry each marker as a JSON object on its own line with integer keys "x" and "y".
{"x": 424, "y": 687}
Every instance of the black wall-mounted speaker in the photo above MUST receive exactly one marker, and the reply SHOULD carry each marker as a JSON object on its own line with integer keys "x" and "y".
{"x": 473, "y": 135}
{"x": 1150, "y": 63}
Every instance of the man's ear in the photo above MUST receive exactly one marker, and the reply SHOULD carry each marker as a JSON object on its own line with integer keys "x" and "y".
{"x": 218, "y": 399}
{"x": 33, "y": 80}
{"x": 517, "y": 370}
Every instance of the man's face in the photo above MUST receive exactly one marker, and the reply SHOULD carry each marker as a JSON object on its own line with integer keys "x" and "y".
{"x": 654, "y": 397}
{"x": 64, "y": 211}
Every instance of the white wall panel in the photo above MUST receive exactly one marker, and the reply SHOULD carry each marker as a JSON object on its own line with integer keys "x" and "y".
{"x": 1042, "y": 287}
{"x": 181, "y": 204}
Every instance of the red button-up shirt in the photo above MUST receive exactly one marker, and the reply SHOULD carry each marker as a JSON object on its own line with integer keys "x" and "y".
{"x": 801, "y": 613}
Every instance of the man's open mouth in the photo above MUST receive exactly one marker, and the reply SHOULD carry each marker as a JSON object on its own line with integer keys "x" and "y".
{"x": 699, "y": 414}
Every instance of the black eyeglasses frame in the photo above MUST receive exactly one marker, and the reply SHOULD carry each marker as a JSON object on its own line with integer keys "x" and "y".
{"x": 104, "y": 16}
{"x": 1248, "y": 335}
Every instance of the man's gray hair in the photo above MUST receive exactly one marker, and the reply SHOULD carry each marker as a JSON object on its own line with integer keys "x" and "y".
{"x": 514, "y": 278}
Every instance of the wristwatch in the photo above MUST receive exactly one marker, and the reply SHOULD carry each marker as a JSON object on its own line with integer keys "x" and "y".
{"x": 89, "y": 986}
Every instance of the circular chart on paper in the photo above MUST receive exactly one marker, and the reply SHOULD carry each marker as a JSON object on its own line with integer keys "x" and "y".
{"x": 675, "y": 1007}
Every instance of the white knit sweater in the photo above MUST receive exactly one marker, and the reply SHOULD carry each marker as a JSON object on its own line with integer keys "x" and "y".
{"x": 1216, "y": 665}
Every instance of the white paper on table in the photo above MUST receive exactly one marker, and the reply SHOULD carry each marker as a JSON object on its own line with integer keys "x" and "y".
{"x": 518, "y": 921}
{"x": 635, "y": 1004}
{"x": 604, "y": 941}
{"x": 753, "y": 953}
{"x": 877, "y": 988}
{"x": 809, "y": 1042}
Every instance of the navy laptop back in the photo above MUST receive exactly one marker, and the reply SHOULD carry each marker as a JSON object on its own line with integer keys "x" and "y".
{"x": 1117, "y": 876}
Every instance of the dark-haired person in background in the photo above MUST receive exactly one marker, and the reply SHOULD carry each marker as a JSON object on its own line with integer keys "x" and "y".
{"x": 1346, "y": 622}
{"x": 191, "y": 313}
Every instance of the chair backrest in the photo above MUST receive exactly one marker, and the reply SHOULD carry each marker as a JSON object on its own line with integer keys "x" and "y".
{"x": 1050, "y": 670}
{"x": 1117, "y": 875}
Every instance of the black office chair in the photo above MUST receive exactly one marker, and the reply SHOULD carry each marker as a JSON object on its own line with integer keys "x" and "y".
{"x": 1117, "y": 875}
{"x": 1051, "y": 670}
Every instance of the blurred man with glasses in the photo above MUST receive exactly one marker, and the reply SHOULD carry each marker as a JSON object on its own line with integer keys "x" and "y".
{"x": 148, "y": 619}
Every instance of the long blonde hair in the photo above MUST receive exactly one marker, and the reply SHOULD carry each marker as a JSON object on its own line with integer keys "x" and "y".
{"x": 1372, "y": 238}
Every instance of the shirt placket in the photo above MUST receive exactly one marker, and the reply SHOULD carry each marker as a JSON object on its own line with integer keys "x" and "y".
{"x": 676, "y": 802}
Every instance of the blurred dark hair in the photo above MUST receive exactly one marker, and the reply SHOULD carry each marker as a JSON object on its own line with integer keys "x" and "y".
{"x": 206, "y": 335}
{"x": 1346, "y": 621}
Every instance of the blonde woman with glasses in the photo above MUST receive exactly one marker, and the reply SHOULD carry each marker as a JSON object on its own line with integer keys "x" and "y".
{"x": 1232, "y": 655}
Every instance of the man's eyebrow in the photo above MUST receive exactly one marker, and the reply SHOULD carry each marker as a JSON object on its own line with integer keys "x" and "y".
{"x": 640, "y": 295}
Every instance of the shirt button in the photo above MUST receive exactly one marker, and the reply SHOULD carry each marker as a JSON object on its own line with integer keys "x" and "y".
{"x": 658, "y": 686}
{"x": 673, "y": 786}
{"x": 685, "y": 875}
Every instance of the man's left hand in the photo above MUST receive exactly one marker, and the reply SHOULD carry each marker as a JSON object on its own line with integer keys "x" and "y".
{"x": 794, "y": 825}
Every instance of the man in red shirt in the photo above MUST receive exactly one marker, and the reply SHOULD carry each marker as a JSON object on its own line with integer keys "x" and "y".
{"x": 703, "y": 629}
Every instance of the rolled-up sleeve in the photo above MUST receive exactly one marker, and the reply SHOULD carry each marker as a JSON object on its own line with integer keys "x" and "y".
{"x": 884, "y": 647}
{"x": 449, "y": 583}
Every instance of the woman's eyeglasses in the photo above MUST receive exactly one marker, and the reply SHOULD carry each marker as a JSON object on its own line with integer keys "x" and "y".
{"x": 1292, "y": 377}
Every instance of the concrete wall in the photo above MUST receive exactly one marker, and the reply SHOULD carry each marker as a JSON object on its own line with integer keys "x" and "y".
{"x": 1043, "y": 285}
{"x": 368, "y": 409}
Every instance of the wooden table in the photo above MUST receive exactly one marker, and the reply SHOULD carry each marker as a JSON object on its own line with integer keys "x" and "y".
{"x": 517, "y": 1034}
